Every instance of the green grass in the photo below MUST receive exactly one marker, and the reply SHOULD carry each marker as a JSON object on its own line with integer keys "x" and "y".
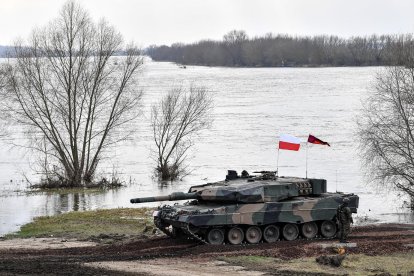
{"x": 358, "y": 264}
{"x": 82, "y": 225}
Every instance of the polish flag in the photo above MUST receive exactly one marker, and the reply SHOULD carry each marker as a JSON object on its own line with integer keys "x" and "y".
{"x": 289, "y": 142}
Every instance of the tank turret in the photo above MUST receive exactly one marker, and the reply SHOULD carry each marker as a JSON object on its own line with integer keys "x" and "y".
{"x": 247, "y": 190}
{"x": 259, "y": 189}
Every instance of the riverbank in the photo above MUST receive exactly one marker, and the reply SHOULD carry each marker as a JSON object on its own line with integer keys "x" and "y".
{"x": 124, "y": 242}
{"x": 105, "y": 226}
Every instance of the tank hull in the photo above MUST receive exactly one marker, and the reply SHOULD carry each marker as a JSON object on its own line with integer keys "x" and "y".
{"x": 299, "y": 210}
{"x": 197, "y": 220}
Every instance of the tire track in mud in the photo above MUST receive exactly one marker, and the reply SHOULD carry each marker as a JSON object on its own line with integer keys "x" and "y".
{"x": 68, "y": 261}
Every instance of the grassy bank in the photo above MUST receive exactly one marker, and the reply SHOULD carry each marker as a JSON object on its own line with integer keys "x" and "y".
{"x": 357, "y": 264}
{"x": 118, "y": 223}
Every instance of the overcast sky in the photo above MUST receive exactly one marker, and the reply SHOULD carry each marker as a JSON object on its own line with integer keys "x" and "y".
{"x": 167, "y": 21}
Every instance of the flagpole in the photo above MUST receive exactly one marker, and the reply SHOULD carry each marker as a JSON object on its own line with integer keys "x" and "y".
{"x": 306, "y": 159}
{"x": 277, "y": 163}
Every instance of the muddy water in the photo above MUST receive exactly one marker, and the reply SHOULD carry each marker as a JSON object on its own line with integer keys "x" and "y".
{"x": 252, "y": 107}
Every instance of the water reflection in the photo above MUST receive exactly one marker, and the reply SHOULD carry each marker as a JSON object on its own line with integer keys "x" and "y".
{"x": 163, "y": 185}
{"x": 71, "y": 202}
{"x": 62, "y": 203}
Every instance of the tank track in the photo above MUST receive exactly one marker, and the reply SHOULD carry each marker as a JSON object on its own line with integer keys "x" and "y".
{"x": 170, "y": 233}
{"x": 190, "y": 234}
{"x": 202, "y": 240}
{"x": 199, "y": 238}
{"x": 195, "y": 236}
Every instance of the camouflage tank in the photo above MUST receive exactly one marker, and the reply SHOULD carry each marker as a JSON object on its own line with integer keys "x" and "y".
{"x": 252, "y": 209}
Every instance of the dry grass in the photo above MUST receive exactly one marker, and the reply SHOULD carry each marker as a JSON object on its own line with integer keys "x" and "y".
{"x": 82, "y": 225}
{"x": 357, "y": 264}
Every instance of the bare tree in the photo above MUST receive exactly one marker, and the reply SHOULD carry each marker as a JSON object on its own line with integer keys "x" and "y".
{"x": 70, "y": 92}
{"x": 175, "y": 121}
{"x": 233, "y": 42}
{"x": 386, "y": 130}
{"x": 2, "y": 85}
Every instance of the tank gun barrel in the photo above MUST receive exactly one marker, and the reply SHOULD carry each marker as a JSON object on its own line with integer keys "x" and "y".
{"x": 171, "y": 197}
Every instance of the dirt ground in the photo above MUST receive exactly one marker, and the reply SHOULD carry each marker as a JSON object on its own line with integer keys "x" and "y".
{"x": 166, "y": 256}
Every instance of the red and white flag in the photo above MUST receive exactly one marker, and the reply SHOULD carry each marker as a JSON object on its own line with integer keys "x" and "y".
{"x": 289, "y": 142}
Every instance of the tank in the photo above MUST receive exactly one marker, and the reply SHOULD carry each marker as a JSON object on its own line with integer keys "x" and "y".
{"x": 251, "y": 209}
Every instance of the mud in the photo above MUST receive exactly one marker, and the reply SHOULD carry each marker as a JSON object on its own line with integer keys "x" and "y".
{"x": 177, "y": 267}
{"x": 43, "y": 243}
{"x": 138, "y": 257}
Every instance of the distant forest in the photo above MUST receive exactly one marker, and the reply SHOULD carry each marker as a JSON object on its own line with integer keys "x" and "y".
{"x": 4, "y": 50}
{"x": 237, "y": 49}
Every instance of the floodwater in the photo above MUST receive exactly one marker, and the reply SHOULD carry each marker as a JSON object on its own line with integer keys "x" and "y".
{"x": 253, "y": 106}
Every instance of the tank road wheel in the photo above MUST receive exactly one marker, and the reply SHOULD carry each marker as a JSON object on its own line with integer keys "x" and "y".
{"x": 235, "y": 235}
{"x": 328, "y": 229}
{"x": 290, "y": 231}
{"x": 271, "y": 233}
{"x": 309, "y": 230}
{"x": 215, "y": 236}
{"x": 253, "y": 234}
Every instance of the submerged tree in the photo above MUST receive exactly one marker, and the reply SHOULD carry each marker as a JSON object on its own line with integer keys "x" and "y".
{"x": 175, "y": 120}
{"x": 73, "y": 97}
{"x": 386, "y": 130}
{"x": 2, "y": 85}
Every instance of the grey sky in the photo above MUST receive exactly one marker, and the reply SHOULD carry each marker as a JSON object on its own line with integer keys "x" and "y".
{"x": 168, "y": 21}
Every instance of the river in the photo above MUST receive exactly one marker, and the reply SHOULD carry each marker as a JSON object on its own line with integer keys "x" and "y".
{"x": 253, "y": 106}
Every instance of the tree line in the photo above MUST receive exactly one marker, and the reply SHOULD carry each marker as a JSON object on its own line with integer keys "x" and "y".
{"x": 282, "y": 50}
